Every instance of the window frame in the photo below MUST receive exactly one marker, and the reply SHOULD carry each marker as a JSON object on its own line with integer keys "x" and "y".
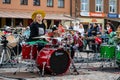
{"x": 112, "y": 6}
{"x": 23, "y": 2}
{"x": 50, "y": 3}
{"x": 59, "y": 3}
{"x": 6, "y": 1}
{"x": 99, "y": 5}
{"x": 84, "y": 6}
{"x": 35, "y": 4}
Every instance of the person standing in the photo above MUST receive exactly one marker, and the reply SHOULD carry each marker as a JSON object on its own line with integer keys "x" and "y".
{"x": 81, "y": 29}
{"x": 71, "y": 26}
{"x": 76, "y": 27}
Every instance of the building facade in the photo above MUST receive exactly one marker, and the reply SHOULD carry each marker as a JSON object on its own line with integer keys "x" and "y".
{"x": 13, "y": 12}
{"x": 97, "y": 11}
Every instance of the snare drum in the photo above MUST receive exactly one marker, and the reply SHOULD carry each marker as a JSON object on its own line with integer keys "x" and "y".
{"x": 29, "y": 51}
{"x": 107, "y": 51}
{"x": 12, "y": 41}
{"x": 56, "y": 60}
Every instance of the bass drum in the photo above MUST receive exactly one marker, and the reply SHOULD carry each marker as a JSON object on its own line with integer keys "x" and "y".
{"x": 118, "y": 58}
{"x": 56, "y": 61}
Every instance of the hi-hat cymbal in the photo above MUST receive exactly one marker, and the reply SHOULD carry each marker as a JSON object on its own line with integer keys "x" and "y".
{"x": 71, "y": 30}
{"x": 118, "y": 31}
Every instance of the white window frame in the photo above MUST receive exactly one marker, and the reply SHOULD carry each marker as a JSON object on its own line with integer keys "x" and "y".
{"x": 84, "y": 5}
{"x": 99, "y": 5}
{"x": 112, "y": 7}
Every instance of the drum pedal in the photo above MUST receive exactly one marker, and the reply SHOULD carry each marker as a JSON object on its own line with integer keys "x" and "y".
{"x": 75, "y": 72}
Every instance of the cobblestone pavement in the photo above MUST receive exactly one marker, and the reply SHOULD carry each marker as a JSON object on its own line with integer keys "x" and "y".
{"x": 90, "y": 73}
{"x": 93, "y": 70}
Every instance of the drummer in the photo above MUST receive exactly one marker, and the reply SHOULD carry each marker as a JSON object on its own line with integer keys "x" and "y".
{"x": 37, "y": 27}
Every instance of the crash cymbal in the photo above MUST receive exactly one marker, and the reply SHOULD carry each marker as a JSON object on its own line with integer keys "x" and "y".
{"x": 40, "y": 37}
{"x": 58, "y": 38}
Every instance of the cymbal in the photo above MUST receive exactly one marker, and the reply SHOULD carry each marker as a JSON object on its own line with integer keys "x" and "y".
{"x": 1, "y": 33}
{"x": 118, "y": 31}
{"x": 71, "y": 30}
{"x": 40, "y": 37}
{"x": 58, "y": 38}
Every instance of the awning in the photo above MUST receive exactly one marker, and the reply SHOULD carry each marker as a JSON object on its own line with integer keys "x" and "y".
{"x": 114, "y": 19}
{"x": 57, "y": 17}
{"x": 4, "y": 14}
{"x": 27, "y": 15}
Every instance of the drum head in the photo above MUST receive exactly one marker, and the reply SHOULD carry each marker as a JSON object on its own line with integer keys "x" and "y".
{"x": 59, "y": 62}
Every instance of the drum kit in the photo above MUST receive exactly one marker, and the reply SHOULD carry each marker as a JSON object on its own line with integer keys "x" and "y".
{"x": 51, "y": 58}
{"x": 57, "y": 60}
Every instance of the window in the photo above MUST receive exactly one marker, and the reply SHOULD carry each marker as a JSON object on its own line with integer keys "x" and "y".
{"x": 61, "y": 3}
{"x": 99, "y": 5}
{"x": 6, "y": 1}
{"x": 24, "y": 2}
{"x": 50, "y": 3}
{"x": 85, "y": 5}
{"x": 36, "y": 2}
{"x": 112, "y": 6}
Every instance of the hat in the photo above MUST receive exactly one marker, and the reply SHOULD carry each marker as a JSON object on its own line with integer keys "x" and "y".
{"x": 38, "y": 12}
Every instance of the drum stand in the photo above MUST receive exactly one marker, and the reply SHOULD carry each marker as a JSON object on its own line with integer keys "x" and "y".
{"x": 104, "y": 60}
{"x": 30, "y": 64}
{"x": 73, "y": 65}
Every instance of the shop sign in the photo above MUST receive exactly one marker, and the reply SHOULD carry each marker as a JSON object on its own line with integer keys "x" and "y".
{"x": 84, "y": 13}
{"x": 112, "y": 15}
{"x": 97, "y": 14}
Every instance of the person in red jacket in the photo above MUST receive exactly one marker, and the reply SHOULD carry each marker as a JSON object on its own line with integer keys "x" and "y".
{"x": 108, "y": 28}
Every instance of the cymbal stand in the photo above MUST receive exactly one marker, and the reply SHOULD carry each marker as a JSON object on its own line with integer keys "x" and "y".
{"x": 17, "y": 56}
{"x": 88, "y": 50}
{"x": 72, "y": 61}
{"x": 5, "y": 55}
